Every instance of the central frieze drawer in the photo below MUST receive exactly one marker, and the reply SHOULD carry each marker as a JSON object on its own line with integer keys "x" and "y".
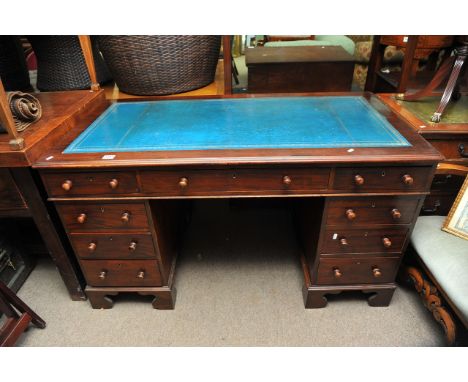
{"x": 383, "y": 179}
{"x": 355, "y": 211}
{"x": 248, "y": 181}
{"x": 90, "y": 183}
{"x": 344, "y": 241}
{"x": 103, "y": 216}
{"x": 113, "y": 246}
{"x": 125, "y": 273}
{"x": 332, "y": 271}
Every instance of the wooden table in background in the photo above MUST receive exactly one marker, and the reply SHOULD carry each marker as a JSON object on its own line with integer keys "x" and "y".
{"x": 299, "y": 69}
{"x": 21, "y": 192}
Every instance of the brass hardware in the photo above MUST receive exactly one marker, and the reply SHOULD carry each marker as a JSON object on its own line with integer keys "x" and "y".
{"x": 81, "y": 218}
{"x": 408, "y": 180}
{"x": 67, "y": 185}
{"x": 183, "y": 182}
{"x": 102, "y": 275}
{"x": 114, "y": 183}
{"x": 343, "y": 241}
{"x": 92, "y": 246}
{"x": 376, "y": 271}
{"x": 287, "y": 180}
{"x": 132, "y": 246}
{"x": 141, "y": 275}
{"x": 350, "y": 214}
{"x": 386, "y": 242}
{"x": 358, "y": 180}
{"x": 125, "y": 218}
{"x": 396, "y": 214}
{"x": 337, "y": 273}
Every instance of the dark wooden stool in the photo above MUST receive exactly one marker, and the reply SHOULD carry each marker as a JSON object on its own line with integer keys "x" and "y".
{"x": 18, "y": 316}
{"x": 452, "y": 65}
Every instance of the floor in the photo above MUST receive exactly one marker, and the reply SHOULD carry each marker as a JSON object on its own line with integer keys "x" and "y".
{"x": 239, "y": 284}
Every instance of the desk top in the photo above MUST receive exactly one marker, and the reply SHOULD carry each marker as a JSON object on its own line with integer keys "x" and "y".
{"x": 342, "y": 129}
{"x": 223, "y": 124}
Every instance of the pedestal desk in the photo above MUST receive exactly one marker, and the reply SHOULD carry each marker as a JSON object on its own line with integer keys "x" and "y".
{"x": 122, "y": 179}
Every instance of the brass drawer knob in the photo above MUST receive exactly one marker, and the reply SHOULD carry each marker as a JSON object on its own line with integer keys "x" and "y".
{"x": 337, "y": 273}
{"x": 114, "y": 183}
{"x": 386, "y": 242}
{"x": 125, "y": 218}
{"x": 376, "y": 272}
{"x": 287, "y": 180}
{"x": 81, "y": 218}
{"x": 132, "y": 246}
{"x": 396, "y": 214}
{"x": 343, "y": 241}
{"x": 67, "y": 185}
{"x": 92, "y": 246}
{"x": 358, "y": 180}
{"x": 350, "y": 214}
{"x": 407, "y": 179}
{"x": 141, "y": 275}
{"x": 102, "y": 275}
{"x": 183, "y": 182}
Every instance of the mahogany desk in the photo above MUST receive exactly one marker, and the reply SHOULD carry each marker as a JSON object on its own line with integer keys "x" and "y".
{"x": 122, "y": 177}
{"x": 449, "y": 137}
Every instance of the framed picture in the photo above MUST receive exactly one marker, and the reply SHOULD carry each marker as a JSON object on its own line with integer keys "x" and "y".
{"x": 457, "y": 219}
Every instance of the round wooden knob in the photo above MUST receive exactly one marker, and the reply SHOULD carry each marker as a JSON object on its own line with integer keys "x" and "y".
{"x": 376, "y": 272}
{"x": 132, "y": 246}
{"x": 81, "y": 218}
{"x": 408, "y": 180}
{"x": 343, "y": 241}
{"x": 141, "y": 275}
{"x": 350, "y": 214}
{"x": 67, "y": 185}
{"x": 183, "y": 182}
{"x": 114, "y": 183}
{"x": 337, "y": 273}
{"x": 92, "y": 246}
{"x": 102, "y": 275}
{"x": 125, "y": 218}
{"x": 386, "y": 242}
{"x": 287, "y": 180}
{"x": 358, "y": 180}
{"x": 396, "y": 214}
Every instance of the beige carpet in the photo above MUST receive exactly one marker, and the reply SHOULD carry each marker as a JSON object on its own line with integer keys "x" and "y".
{"x": 239, "y": 284}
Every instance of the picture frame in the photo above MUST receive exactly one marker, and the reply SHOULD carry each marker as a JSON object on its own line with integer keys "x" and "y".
{"x": 457, "y": 219}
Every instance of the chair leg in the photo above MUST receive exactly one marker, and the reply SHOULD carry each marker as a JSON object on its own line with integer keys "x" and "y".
{"x": 452, "y": 82}
{"x": 443, "y": 71}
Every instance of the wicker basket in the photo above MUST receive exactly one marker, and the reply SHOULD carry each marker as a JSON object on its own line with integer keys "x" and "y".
{"x": 61, "y": 64}
{"x": 13, "y": 70}
{"x": 158, "y": 65}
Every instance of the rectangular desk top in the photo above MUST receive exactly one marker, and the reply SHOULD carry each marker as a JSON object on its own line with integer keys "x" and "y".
{"x": 342, "y": 128}
{"x": 223, "y": 124}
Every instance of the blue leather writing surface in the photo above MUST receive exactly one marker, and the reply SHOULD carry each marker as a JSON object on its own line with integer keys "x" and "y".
{"x": 213, "y": 124}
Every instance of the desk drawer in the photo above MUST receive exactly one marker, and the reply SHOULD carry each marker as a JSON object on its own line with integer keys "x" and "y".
{"x": 382, "y": 179}
{"x": 125, "y": 273}
{"x": 355, "y": 211}
{"x": 348, "y": 241}
{"x": 332, "y": 271}
{"x": 243, "y": 181}
{"x": 90, "y": 183}
{"x": 452, "y": 149}
{"x": 103, "y": 216}
{"x": 113, "y": 246}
